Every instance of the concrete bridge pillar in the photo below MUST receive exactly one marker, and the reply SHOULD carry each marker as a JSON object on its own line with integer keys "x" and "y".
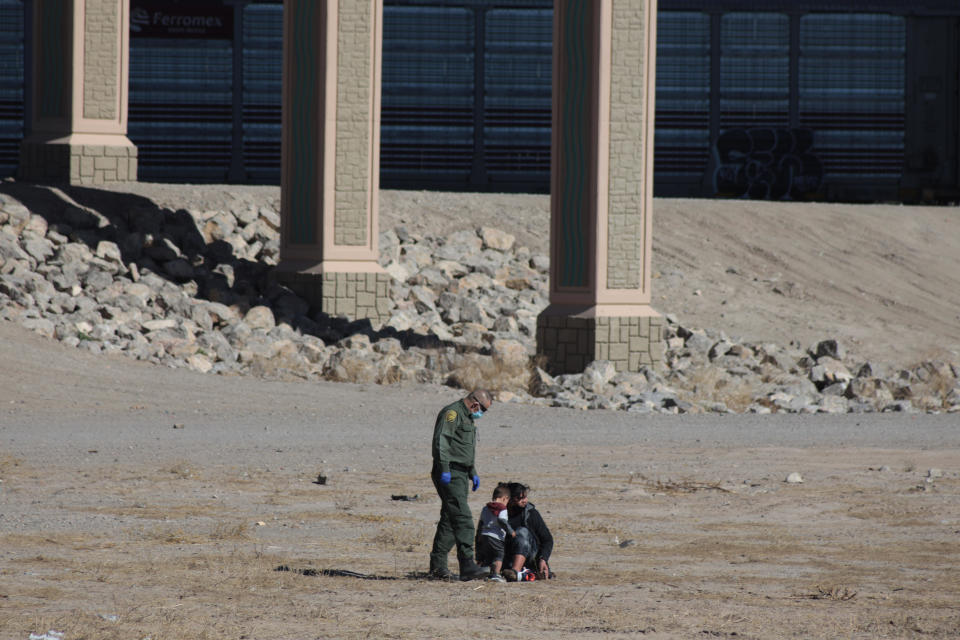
{"x": 331, "y": 156}
{"x": 77, "y": 125}
{"x": 604, "y": 54}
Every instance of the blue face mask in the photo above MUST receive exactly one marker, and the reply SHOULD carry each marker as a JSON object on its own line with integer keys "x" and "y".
{"x": 477, "y": 414}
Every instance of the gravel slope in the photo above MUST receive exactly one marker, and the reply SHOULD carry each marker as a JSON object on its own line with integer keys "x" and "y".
{"x": 882, "y": 279}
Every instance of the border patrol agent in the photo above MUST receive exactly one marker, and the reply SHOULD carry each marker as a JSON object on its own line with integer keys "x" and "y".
{"x": 454, "y": 450}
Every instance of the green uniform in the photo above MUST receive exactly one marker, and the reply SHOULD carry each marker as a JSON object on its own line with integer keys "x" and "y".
{"x": 454, "y": 448}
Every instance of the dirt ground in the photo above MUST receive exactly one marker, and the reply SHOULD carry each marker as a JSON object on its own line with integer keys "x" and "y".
{"x": 144, "y": 502}
{"x": 140, "y": 502}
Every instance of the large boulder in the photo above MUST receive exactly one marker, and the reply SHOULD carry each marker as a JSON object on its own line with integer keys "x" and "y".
{"x": 496, "y": 239}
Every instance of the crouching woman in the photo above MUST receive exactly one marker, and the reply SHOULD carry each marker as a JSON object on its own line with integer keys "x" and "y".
{"x": 528, "y": 552}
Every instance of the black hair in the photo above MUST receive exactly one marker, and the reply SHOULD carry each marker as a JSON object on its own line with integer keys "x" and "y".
{"x": 502, "y": 490}
{"x": 518, "y": 490}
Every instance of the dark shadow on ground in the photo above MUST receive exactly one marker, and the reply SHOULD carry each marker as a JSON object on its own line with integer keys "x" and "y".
{"x": 343, "y": 573}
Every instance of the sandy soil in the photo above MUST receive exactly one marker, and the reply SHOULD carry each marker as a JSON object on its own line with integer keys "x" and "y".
{"x": 139, "y": 501}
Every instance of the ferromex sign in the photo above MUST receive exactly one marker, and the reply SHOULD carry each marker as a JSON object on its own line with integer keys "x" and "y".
{"x": 165, "y": 19}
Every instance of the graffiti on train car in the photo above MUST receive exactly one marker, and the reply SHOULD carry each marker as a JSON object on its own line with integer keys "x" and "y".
{"x": 766, "y": 164}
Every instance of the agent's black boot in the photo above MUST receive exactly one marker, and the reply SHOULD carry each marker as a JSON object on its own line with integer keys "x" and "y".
{"x": 470, "y": 570}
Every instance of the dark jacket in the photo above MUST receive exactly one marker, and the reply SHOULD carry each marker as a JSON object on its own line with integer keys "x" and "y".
{"x": 532, "y": 520}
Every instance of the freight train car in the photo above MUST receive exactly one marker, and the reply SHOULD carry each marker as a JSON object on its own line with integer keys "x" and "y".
{"x": 849, "y": 100}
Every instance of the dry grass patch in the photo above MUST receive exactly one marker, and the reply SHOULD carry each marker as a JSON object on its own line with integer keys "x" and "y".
{"x": 893, "y": 516}
{"x": 473, "y": 371}
{"x": 9, "y": 465}
{"x": 123, "y": 478}
{"x": 542, "y": 605}
{"x": 166, "y": 535}
{"x": 220, "y": 594}
{"x": 838, "y": 592}
{"x": 346, "y": 500}
{"x": 233, "y": 477}
{"x": 711, "y": 384}
{"x": 595, "y": 523}
{"x": 230, "y": 531}
{"x": 73, "y": 541}
{"x": 401, "y": 537}
{"x": 392, "y": 374}
{"x": 40, "y": 593}
{"x": 182, "y": 470}
{"x": 156, "y": 512}
{"x": 670, "y": 486}
{"x": 359, "y": 518}
{"x": 200, "y": 534}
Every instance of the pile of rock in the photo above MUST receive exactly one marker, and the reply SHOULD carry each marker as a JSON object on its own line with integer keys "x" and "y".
{"x": 193, "y": 289}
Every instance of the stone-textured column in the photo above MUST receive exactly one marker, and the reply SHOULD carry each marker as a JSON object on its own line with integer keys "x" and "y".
{"x": 331, "y": 156}
{"x": 601, "y": 187}
{"x": 78, "y": 131}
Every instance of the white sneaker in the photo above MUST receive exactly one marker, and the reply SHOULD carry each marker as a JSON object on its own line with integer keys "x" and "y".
{"x": 496, "y": 578}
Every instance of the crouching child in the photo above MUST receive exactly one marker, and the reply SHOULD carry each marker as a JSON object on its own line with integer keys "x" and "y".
{"x": 492, "y": 530}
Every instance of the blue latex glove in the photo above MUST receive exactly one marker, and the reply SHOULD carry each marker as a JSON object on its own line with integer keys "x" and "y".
{"x": 476, "y": 482}
{"x": 445, "y": 477}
